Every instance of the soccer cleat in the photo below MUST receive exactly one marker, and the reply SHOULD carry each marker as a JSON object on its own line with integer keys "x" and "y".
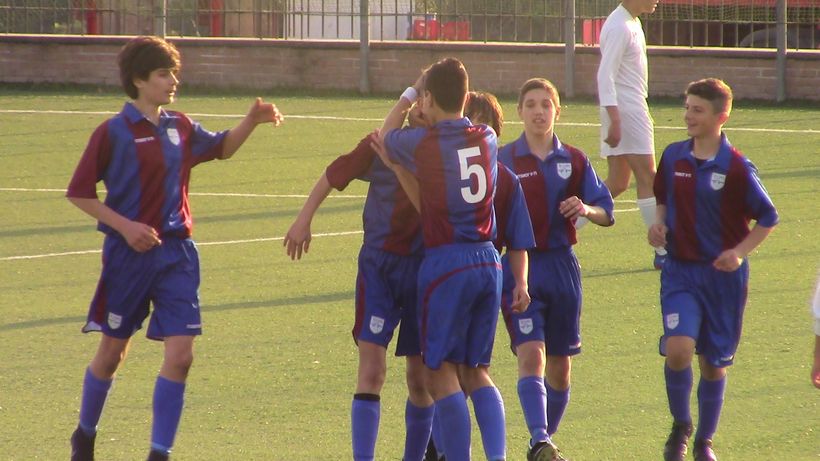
{"x": 431, "y": 454}
{"x": 659, "y": 261}
{"x": 82, "y": 446}
{"x": 702, "y": 449}
{"x": 678, "y": 441}
{"x": 157, "y": 456}
{"x": 545, "y": 451}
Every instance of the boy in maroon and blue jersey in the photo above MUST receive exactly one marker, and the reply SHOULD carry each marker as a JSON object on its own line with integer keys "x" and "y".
{"x": 560, "y": 186}
{"x": 385, "y": 294}
{"x": 459, "y": 280}
{"x": 707, "y": 194}
{"x": 144, "y": 155}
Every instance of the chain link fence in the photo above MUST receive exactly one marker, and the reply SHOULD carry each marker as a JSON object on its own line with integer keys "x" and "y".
{"x": 693, "y": 23}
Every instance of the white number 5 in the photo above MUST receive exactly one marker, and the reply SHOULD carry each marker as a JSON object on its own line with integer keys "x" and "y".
{"x": 472, "y": 170}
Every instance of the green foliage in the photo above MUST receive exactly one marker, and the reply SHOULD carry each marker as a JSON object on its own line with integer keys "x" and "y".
{"x": 274, "y": 372}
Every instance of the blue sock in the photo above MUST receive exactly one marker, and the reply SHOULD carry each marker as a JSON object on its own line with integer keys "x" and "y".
{"x": 95, "y": 392}
{"x": 419, "y": 422}
{"x": 455, "y": 423}
{"x": 678, "y": 390}
{"x": 710, "y": 402}
{"x": 438, "y": 433}
{"x": 168, "y": 399}
{"x": 489, "y": 414}
{"x": 364, "y": 420}
{"x": 533, "y": 397}
{"x": 556, "y": 405}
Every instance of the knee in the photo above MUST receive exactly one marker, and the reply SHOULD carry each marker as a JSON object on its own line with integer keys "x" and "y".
{"x": 558, "y": 372}
{"x": 180, "y": 362}
{"x": 617, "y": 186}
{"x": 371, "y": 378}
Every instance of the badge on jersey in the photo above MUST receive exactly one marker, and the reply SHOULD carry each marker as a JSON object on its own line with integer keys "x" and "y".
{"x": 173, "y": 136}
{"x": 564, "y": 170}
{"x": 717, "y": 181}
{"x": 114, "y": 321}
{"x": 672, "y": 321}
{"x": 376, "y": 324}
{"x": 525, "y": 325}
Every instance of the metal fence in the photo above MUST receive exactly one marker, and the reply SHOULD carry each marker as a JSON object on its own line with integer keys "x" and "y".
{"x": 730, "y": 23}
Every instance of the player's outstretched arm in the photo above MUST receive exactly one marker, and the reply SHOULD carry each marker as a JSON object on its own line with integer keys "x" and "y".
{"x": 141, "y": 237}
{"x": 297, "y": 240}
{"x": 519, "y": 265}
{"x": 260, "y": 112}
{"x": 732, "y": 258}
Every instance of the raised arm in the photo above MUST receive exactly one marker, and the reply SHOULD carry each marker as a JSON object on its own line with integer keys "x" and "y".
{"x": 395, "y": 118}
{"x": 260, "y": 112}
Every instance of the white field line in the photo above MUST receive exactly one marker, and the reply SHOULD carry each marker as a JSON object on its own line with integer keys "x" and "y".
{"x": 226, "y": 242}
{"x": 378, "y": 120}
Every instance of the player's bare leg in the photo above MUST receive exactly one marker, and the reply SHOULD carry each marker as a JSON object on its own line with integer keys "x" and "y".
{"x": 366, "y": 408}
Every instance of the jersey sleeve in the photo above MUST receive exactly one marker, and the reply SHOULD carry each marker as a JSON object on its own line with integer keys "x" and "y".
{"x": 355, "y": 164}
{"x": 401, "y": 145}
{"x": 205, "y": 145}
{"x": 595, "y": 192}
{"x": 92, "y": 165}
{"x": 758, "y": 202}
{"x": 518, "y": 233}
{"x": 613, "y": 46}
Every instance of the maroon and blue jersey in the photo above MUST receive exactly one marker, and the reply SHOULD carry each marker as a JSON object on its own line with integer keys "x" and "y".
{"x": 390, "y": 221}
{"x": 709, "y": 204}
{"x": 145, "y": 167}
{"x": 456, "y": 166}
{"x": 511, "y": 214}
{"x": 566, "y": 172}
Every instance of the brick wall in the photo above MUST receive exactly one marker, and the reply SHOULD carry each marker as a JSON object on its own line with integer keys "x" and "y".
{"x": 499, "y": 68}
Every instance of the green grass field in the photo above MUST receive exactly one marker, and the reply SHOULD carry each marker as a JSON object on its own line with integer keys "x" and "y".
{"x": 275, "y": 370}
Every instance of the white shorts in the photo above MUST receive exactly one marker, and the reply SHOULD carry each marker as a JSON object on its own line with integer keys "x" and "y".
{"x": 637, "y": 133}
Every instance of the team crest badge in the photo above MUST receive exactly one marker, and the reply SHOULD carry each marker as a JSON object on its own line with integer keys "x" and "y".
{"x": 173, "y": 136}
{"x": 114, "y": 321}
{"x": 672, "y": 321}
{"x": 564, "y": 170}
{"x": 525, "y": 325}
{"x": 376, "y": 324}
{"x": 717, "y": 181}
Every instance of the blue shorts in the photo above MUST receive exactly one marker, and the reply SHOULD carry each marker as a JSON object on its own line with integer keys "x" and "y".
{"x": 554, "y": 315}
{"x": 459, "y": 290}
{"x": 705, "y": 304}
{"x": 385, "y": 297}
{"x": 166, "y": 276}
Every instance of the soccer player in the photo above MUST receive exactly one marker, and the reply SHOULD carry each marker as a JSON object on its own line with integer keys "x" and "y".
{"x": 707, "y": 193}
{"x": 385, "y": 294}
{"x": 459, "y": 284}
{"x": 144, "y": 155}
{"x": 815, "y": 370}
{"x": 627, "y": 137}
{"x": 560, "y": 186}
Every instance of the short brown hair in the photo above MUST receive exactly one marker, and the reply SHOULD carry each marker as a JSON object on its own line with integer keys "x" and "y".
{"x": 484, "y": 108}
{"x": 713, "y": 90}
{"x": 447, "y": 82}
{"x": 539, "y": 84}
{"x": 143, "y": 55}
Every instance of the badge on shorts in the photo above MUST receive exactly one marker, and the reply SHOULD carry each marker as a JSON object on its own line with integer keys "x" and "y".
{"x": 672, "y": 321}
{"x": 376, "y": 324}
{"x": 717, "y": 181}
{"x": 564, "y": 170}
{"x": 173, "y": 136}
{"x": 114, "y": 321}
{"x": 525, "y": 325}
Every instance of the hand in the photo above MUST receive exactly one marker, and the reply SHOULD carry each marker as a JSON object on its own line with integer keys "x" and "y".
{"x": 657, "y": 235}
{"x": 297, "y": 240}
{"x": 377, "y": 143}
{"x": 613, "y": 136}
{"x": 265, "y": 112}
{"x": 728, "y": 261}
{"x": 572, "y": 208}
{"x": 521, "y": 299}
{"x": 140, "y": 237}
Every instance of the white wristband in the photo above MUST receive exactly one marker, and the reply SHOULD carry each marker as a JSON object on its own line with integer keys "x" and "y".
{"x": 410, "y": 94}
